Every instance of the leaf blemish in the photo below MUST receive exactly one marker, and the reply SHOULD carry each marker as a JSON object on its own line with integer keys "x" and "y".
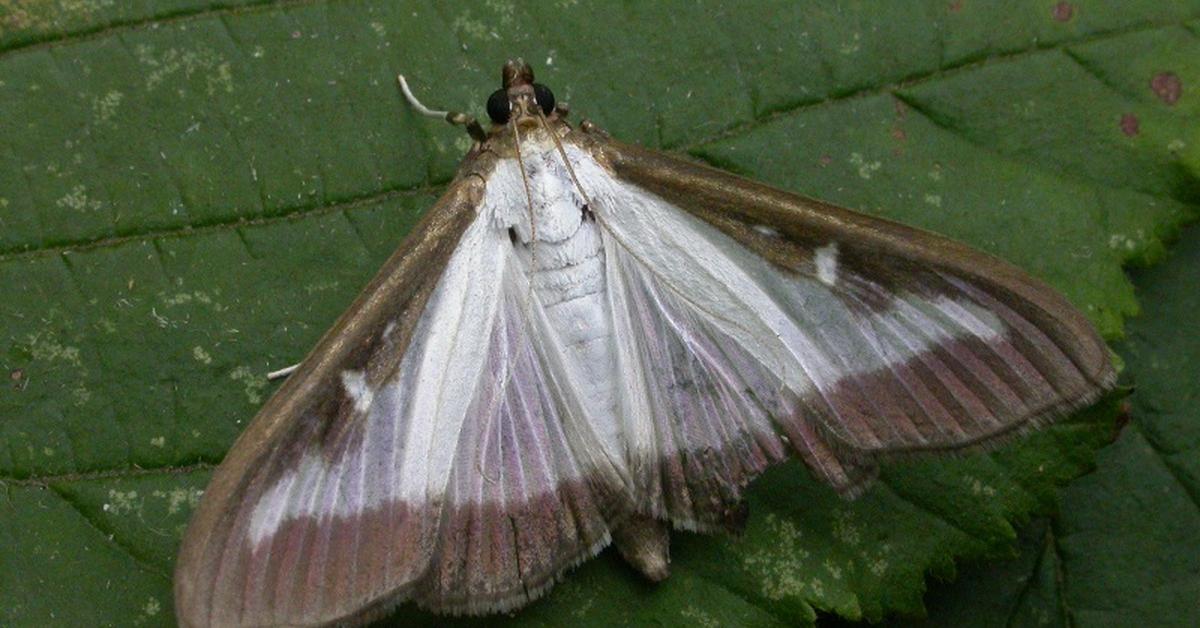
{"x": 781, "y": 569}
{"x": 1130, "y": 125}
{"x": 121, "y": 502}
{"x": 218, "y": 72}
{"x": 833, "y": 569}
{"x": 1063, "y": 12}
{"x": 699, "y": 617}
{"x": 254, "y": 384}
{"x": 977, "y": 486}
{"x": 1120, "y": 240}
{"x": 179, "y": 497}
{"x": 1167, "y": 86}
{"x": 77, "y": 199}
{"x": 201, "y": 355}
{"x": 851, "y": 46}
{"x": 865, "y": 168}
{"x": 466, "y": 24}
{"x": 105, "y": 107}
{"x": 45, "y": 347}
{"x": 18, "y": 379}
{"x": 844, "y": 528}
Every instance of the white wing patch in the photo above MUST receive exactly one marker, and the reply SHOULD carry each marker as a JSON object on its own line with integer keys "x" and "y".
{"x": 926, "y": 361}
{"x": 768, "y": 230}
{"x": 827, "y": 263}
{"x": 360, "y": 394}
{"x": 473, "y": 474}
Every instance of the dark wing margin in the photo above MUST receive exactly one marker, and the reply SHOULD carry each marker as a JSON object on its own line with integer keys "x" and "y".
{"x": 944, "y": 392}
{"x": 431, "y": 449}
{"x": 283, "y": 427}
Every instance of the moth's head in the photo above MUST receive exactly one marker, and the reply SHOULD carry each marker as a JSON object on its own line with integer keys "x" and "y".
{"x": 521, "y": 100}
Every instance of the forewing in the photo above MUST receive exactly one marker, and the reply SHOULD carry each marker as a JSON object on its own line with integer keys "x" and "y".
{"x": 423, "y": 451}
{"x": 751, "y": 310}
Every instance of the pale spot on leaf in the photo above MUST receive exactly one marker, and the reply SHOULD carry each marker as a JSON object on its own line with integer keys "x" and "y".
{"x": 46, "y": 347}
{"x": 78, "y": 200}
{"x": 105, "y": 107}
{"x": 204, "y": 61}
{"x": 469, "y": 26}
{"x": 781, "y": 569}
{"x": 844, "y": 528}
{"x": 322, "y": 286}
{"x": 179, "y": 498}
{"x": 201, "y": 355}
{"x": 122, "y": 502}
{"x": 865, "y": 168}
{"x": 699, "y": 618}
{"x": 254, "y": 384}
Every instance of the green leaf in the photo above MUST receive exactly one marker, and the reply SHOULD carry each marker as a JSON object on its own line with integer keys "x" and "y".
{"x": 1125, "y": 547}
{"x": 191, "y": 192}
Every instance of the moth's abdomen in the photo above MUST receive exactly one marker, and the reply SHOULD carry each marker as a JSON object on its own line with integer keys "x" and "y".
{"x": 569, "y": 269}
{"x": 568, "y": 279}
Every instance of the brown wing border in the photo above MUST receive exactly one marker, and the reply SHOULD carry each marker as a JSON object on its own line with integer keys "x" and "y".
{"x": 698, "y": 189}
{"x": 402, "y": 287}
{"x": 736, "y": 206}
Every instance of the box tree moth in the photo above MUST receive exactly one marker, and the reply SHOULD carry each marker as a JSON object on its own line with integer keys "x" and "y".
{"x": 584, "y": 342}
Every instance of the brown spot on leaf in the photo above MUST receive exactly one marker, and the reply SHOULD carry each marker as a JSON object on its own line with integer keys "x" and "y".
{"x": 1167, "y": 86}
{"x": 18, "y": 379}
{"x": 1124, "y": 415}
{"x": 1063, "y": 11}
{"x": 899, "y": 135}
{"x": 955, "y": 6}
{"x": 826, "y": 160}
{"x": 901, "y": 109}
{"x": 1130, "y": 125}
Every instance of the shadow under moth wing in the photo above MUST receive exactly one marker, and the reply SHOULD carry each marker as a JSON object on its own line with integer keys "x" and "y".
{"x": 585, "y": 341}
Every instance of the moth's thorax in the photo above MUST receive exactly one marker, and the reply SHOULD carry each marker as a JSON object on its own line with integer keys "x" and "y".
{"x": 533, "y": 138}
{"x": 560, "y": 249}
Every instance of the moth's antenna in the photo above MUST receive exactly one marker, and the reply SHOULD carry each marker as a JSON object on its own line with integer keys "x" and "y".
{"x": 283, "y": 372}
{"x": 567, "y": 162}
{"x": 474, "y": 129}
{"x": 529, "y": 199}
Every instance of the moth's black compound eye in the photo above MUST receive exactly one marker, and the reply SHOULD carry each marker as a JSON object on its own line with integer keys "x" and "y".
{"x": 545, "y": 97}
{"x": 498, "y": 106}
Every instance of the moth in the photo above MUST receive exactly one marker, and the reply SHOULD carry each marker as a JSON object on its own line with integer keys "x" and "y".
{"x": 584, "y": 342}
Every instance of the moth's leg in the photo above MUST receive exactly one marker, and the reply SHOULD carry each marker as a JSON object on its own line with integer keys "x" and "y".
{"x": 589, "y": 127}
{"x": 474, "y": 129}
{"x": 283, "y": 372}
{"x": 645, "y": 543}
